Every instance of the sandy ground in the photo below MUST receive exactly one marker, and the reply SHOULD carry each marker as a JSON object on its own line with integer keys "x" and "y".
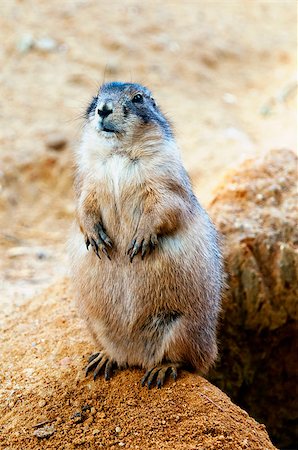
{"x": 46, "y": 401}
{"x": 223, "y": 71}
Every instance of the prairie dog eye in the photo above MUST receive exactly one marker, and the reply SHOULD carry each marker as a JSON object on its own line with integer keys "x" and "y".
{"x": 138, "y": 98}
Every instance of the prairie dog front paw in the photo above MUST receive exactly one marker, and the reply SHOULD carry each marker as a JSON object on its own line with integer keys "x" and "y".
{"x": 143, "y": 243}
{"x": 98, "y": 239}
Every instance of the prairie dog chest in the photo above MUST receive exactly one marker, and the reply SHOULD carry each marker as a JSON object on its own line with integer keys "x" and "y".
{"x": 120, "y": 177}
{"x": 121, "y": 173}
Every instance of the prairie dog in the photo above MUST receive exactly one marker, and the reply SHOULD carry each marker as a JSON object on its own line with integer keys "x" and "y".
{"x": 145, "y": 261}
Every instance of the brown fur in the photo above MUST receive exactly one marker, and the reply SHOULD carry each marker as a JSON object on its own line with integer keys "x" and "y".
{"x": 163, "y": 307}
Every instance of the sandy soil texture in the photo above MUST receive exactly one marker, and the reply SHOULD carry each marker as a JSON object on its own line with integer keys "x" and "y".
{"x": 46, "y": 401}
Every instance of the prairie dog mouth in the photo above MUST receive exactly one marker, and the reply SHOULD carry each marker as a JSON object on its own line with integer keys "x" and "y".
{"x": 107, "y": 126}
{"x": 108, "y": 130}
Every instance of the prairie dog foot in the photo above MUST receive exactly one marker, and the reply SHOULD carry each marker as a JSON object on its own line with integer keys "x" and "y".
{"x": 99, "y": 361}
{"x": 158, "y": 374}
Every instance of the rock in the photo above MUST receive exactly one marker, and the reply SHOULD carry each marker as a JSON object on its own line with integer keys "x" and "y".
{"x": 191, "y": 413}
{"x": 256, "y": 211}
{"x": 56, "y": 141}
{"x": 46, "y": 44}
{"x": 25, "y": 43}
{"x": 44, "y": 432}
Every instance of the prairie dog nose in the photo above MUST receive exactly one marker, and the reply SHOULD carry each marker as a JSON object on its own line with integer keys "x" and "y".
{"x": 104, "y": 109}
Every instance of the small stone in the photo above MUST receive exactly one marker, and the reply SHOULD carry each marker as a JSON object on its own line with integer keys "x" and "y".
{"x": 96, "y": 431}
{"x": 56, "y": 141}
{"x": 44, "y": 432}
{"x": 121, "y": 444}
{"x": 25, "y": 43}
{"x": 46, "y": 44}
{"x": 92, "y": 411}
{"x": 42, "y": 403}
{"x": 117, "y": 429}
{"x": 259, "y": 197}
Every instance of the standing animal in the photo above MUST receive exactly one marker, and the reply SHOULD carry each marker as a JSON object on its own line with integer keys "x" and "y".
{"x": 149, "y": 287}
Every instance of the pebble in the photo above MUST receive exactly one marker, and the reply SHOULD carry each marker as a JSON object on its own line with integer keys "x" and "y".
{"x": 42, "y": 403}
{"x": 44, "y": 432}
{"x": 56, "y": 141}
{"x": 25, "y": 43}
{"x": 117, "y": 429}
{"x": 46, "y": 44}
{"x": 259, "y": 197}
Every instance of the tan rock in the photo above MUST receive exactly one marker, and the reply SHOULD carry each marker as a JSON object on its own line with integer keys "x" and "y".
{"x": 256, "y": 211}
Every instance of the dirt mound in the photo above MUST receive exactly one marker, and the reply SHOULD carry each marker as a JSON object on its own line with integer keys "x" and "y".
{"x": 47, "y": 402}
{"x": 256, "y": 210}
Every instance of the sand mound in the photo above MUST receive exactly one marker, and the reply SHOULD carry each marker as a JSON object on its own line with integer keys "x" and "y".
{"x": 44, "y": 351}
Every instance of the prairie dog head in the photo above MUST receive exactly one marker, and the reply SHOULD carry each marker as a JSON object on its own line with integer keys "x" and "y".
{"x": 123, "y": 115}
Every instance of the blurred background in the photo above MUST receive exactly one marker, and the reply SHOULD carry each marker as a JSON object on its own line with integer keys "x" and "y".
{"x": 223, "y": 71}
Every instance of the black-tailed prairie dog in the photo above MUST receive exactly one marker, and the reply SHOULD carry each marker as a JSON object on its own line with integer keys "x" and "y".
{"x": 145, "y": 261}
